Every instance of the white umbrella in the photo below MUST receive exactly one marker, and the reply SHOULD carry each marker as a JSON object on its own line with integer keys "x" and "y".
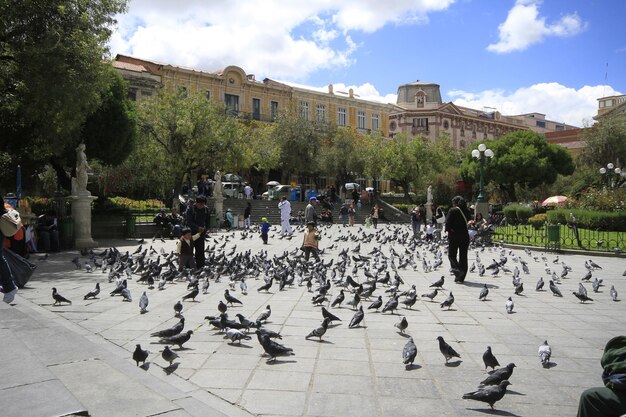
{"x": 272, "y": 183}
{"x": 352, "y": 186}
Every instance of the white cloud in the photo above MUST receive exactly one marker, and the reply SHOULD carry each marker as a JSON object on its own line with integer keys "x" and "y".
{"x": 556, "y": 101}
{"x": 364, "y": 91}
{"x": 524, "y": 27}
{"x": 276, "y": 38}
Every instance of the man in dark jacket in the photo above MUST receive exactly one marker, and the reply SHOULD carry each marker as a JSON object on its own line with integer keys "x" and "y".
{"x": 458, "y": 237}
{"x": 197, "y": 219}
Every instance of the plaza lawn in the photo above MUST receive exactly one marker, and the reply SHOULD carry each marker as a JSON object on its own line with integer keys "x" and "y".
{"x": 595, "y": 240}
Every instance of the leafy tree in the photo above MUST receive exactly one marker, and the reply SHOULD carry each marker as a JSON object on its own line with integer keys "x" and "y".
{"x": 342, "y": 155}
{"x": 403, "y": 159}
{"x": 374, "y": 156}
{"x": 606, "y": 142}
{"x": 521, "y": 158}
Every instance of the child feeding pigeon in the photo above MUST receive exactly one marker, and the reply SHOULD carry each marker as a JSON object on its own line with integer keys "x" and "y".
{"x": 184, "y": 249}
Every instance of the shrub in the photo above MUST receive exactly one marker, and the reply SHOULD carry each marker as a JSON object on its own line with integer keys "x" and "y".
{"x": 136, "y": 204}
{"x": 591, "y": 219}
{"x": 510, "y": 214}
{"x": 402, "y": 207}
{"x": 538, "y": 220}
{"x": 523, "y": 214}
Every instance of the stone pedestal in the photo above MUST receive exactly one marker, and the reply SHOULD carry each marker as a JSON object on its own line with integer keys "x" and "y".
{"x": 482, "y": 208}
{"x": 81, "y": 212}
{"x": 219, "y": 209}
{"x": 429, "y": 211}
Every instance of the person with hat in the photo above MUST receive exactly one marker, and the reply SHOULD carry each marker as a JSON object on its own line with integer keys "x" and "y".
{"x": 184, "y": 249}
{"x": 265, "y": 229}
{"x": 230, "y": 219}
{"x": 197, "y": 219}
{"x": 310, "y": 243}
{"x": 310, "y": 213}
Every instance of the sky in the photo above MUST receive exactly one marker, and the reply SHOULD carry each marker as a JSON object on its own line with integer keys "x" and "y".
{"x": 555, "y": 57}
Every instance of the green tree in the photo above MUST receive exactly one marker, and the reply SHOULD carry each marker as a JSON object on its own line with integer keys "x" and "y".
{"x": 342, "y": 155}
{"x": 403, "y": 157}
{"x": 521, "y": 158}
{"x": 373, "y": 156}
{"x": 192, "y": 133}
{"x": 606, "y": 142}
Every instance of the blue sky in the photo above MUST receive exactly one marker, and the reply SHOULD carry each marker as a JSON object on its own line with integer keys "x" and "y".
{"x": 515, "y": 55}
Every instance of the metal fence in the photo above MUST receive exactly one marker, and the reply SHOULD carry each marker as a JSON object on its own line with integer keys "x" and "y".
{"x": 561, "y": 237}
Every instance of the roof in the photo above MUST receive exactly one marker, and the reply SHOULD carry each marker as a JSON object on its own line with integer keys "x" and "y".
{"x": 128, "y": 66}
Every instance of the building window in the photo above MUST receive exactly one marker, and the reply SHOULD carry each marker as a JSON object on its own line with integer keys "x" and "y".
{"x": 256, "y": 108}
{"x": 342, "y": 116}
{"x": 361, "y": 120}
{"x": 207, "y": 94}
{"x": 232, "y": 103}
{"x": 321, "y": 113}
{"x": 446, "y": 124}
{"x": 485, "y": 135}
{"x": 274, "y": 109}
{"x": 421, "y": 122}
{"x": 559, "y": 128}
{"x": 375, "y": 121}
{"x": 541, "y": 123}
{"x": 473, "y": 134}
{"x": 304, "y": 110}
{"x": 462, "y": 129}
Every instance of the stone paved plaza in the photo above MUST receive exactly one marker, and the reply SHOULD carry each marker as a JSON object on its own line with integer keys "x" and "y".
{"x": 76, "y": 358}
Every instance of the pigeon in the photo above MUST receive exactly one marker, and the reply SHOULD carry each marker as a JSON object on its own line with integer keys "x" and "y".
{"x": 391, "y": 304}
{"x": 265, "y": 315}
{"x": 143, "y": 303}
{"x": 410, "y": 300}
{"x": 140, "y": 355}
{"x": 172, "y": 331}
{"x": 178, "y": 308}
{"x": 582, "y": 297}
{"x": 446, "y": 350}
{"x": 613, "y": 293}
{"x": 230, "y": 299}
{"x": 126, "y": 295}
{"x": 269, "y": 333}
{"x": 448, "y": 301}
{"x": 272, "y": 348}
{"x": 319, "y": 331}
{"x": 243, "y": 286}
{"x": 192, "y": 295}
{"x": 594, "y": 265}
{"x": 438, "y": 283}
{"x": 540, "y": 284}
{"x": 246, "y": 323}
{"x": 328, "y": 315}
{"x": 222, "y": 307}
{"x": 339, "y": 299}
{"x": 266, "y": 287}
{"x": 409, "y": 353}
{"x": 499, "y": 375}
{"x": 509, "y": 305}
{"x": 376, "y": 304}
{"x": 169, "y": 355}
{"x": 489, "y": 394}
{"x": 235, "y": 335}
{"x": 93, "y": 294}
{"x": 402, "y": 325}
{"x": 595, "y": 285}
{"x": 545, "y": 352}
{"x": 179, "y": 339}
{"x": 582, "y": 289}
{"x": 58, "y": 298}
{"x": 555, "y": 290}
{"x": 358, "y": 317}
{"x": 431, "y": 295}
{"x": 489, "y": 359}
{"x": 205, "y": 286}
{"x": 483, "y": 293}
{"x": 519, "y": 289}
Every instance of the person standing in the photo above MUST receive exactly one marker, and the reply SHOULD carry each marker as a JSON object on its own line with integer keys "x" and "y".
{"x": 6, "y": 277}
{"x": 415, "y": 221}
{"x": 184, "y": 249}
{"x": 344, "y": 214}
{"x": 265, "y": 229}
{"x": 375, "y": 215}
{"x": 197, "y": 219}
{"x": 310, "y": 213}
{"x": 247, "y": 190}
{"x": 230, "y": 220}
{"x": 285, "y": 213}
{"x": 311, "y": 237}
{"x": 246, "y": 215}
{"x": 458, "y": 237}
{"x": 351, "y": 213}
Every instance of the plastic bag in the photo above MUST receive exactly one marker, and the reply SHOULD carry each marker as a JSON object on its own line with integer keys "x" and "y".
{"x": 21, "y": 268}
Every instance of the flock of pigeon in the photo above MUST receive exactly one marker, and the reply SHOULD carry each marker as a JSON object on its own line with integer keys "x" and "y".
{"x": 369, "y": 282}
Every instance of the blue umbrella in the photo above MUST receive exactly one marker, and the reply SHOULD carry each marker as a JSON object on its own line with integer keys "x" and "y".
{"x": 18, "y": 190}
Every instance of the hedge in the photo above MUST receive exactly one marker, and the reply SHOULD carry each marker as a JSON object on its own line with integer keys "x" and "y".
{"x": 538, "y": 220}
{"x": 523, "y": 214}
{"x": 590, "y": 219}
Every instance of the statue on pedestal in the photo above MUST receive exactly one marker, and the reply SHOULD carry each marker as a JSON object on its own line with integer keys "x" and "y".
{"x": 79, "y": 184}
{"x": 429, "y": 195}
{"x": 217, "y": 185}
{"x": 81, "y": 200}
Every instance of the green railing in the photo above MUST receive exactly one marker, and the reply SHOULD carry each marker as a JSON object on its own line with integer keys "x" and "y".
{"x": 123, "y": 225}
{"x": 561, "y": 237}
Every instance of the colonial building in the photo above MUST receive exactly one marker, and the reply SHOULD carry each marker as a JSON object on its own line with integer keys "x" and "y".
{"x": 571, "y": 139}
{"x": 612, "y": 106}
{"x": 421, "y": 112}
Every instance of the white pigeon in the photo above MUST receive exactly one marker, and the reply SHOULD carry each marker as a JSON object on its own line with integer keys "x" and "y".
{"x": 235, "y": 335}
{"x": 509, "y": 305}
{"x": 243, "y": 286}
{"x": 544, "y": 354}
{"x": 143, "y": 303}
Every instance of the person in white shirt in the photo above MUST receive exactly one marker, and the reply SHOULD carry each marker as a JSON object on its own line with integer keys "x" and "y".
{"x": 247, "y": 190}
{"x": 285, "y": 212}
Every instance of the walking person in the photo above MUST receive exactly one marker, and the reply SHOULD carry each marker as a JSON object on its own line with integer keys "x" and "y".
{"x": 310, "y": 243}
{"x": 344, "y": 214}
{"x": 246, "y": 215}
{"x": 285, "y": 213}
{"x": 375, "y": 215}
{"x": 197, "y": 219}
{"x": 310, "y": 212}
{"x": 351, "y": 213}
{"x": 265, "y": 229}
{"x": 458, "y": 237}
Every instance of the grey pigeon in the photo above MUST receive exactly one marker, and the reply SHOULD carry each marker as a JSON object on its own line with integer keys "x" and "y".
{"x": 431, "y": 295}
{"x": 446, "y": 350}
{"x": 489, "y": 394}
{"x": 582, "y": 297}
{"x": 169, "y": 355}
{"x": 499, "y": 375}
{"x": 140, "y": 355}
{"x": 230, "y": 299}
{"x": 179, "y": 339}
{"x": 391, "y": 305}
{"x": 143, "y": 303}
{"x": 409, "y": 353}
{"x": 328, "y": 315}
{"x": 489, "y": 359}
{"x": 235, "y": 335}
{"x": 58, "y": 298}
{"x": 339, "y": 299}
{"x": 613, "y": 293}
{"x": 402, "y": 325}
{"x": 357, "y": 318}
{"x": 595, "y": 285}
{"x": 448, "y": 301}
{"x": 439, "y": 283}
{"x": 246, "y": 323}
{"x": 555, "y": 290}
{"x": 272, "y": 348}
{"x": 94, "y": 293}
{"x": 545, "y": 352}
{"x": 519, "y": 289}
{"x": 483, "y": 293}
{"x": 540, "y": 284}
{"x": 319, "y": 331}
{"x": 509, "y": 305}
{"x": 582, "y": 289}
{"x": 265, "y": 314}
{"x": 126, "y": 295}
{"x": 376, "y": 304}
{"x": 192, "y": 295}
{"x": 172, "y": 331}
{"x": 178, "y": 308}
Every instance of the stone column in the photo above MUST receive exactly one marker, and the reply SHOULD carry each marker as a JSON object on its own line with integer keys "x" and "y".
{"x": 81, "y": 212}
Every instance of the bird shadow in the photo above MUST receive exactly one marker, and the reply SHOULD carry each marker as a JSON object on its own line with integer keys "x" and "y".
{"x": 450, "y": 309}
{"x": 403, "y": 334}
{"x": 330, "y": 326}
{"x": 180, "y": 348}
{"x": 412, "y": 367}
{"x": 323, "y": 341}
{"x": 145, "y": 366}
{"x": 551, "y": 365}
{"x": 239, "y": 345}
{"x": 511, "y": 392}
{"x": 494, "y": 412}
{"x": 172, "y": 368}
{"x": 453, "y": 364}
{"x": 279, "y": 362}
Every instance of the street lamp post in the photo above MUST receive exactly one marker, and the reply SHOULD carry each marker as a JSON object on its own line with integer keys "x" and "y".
{"x": 609, "y": 172}
{"x": 481, "y": 154}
